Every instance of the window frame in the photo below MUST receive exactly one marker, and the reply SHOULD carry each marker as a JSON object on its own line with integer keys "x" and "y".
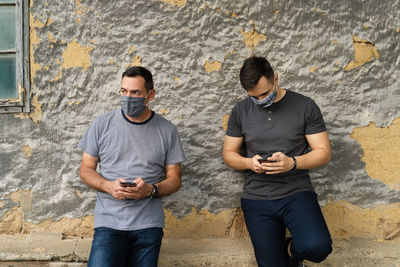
{"x": 22, "y": 102}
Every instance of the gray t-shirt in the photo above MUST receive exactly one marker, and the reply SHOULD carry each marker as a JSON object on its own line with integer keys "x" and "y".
{"x": 281, "y": 127}
{"x": 131, "y": 150}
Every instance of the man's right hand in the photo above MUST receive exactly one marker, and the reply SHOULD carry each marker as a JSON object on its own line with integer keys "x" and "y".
{"x": 254, "y": 165}
{"x": 115, "y": 189}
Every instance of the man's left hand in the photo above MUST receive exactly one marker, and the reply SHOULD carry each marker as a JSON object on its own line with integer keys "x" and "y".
{"x": 141, "y": 190}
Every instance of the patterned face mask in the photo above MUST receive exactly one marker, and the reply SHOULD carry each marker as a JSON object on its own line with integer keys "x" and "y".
{"x": 266, "y": 101}
{"x": 133, "y": 106}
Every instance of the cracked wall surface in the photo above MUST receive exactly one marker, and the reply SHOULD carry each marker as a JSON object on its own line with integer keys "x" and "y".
{"x": 343, "y": 54}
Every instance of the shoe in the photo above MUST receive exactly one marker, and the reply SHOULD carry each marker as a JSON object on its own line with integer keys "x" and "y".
{"x": 291, "y": 262}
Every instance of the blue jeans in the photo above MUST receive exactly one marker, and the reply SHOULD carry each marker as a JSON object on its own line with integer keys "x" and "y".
{"x": 266, "y": 221}
{"x": 115, "y": 248}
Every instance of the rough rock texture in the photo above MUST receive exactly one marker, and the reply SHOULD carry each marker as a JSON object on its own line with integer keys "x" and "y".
{"x": 343, "y": 54}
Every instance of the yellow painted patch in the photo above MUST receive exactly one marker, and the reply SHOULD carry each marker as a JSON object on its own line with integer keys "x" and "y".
{"x": 252, "y": 38}
{"x": 13, "y": 222}
{"x": 58, "y": 77}
{"x": 51, "y": 38}
{"x": 177, "y": 3}
{"x": 131, "y": 49}
{"x": 78, "y": 193}
{"x": 212, "y": 66}
{"x": 73, "y": 102}
{"x": 177, "y": 80}
{"x": 347, "y": 221}
{"x": 36, "y": 111}
{"x": 80, "y": 11}
{"x": 397, "y": 29}
{"x": 21, "y": 116}
{"x": 364, "y": 51}
{"x": 34, "y": 41}
{"x": 27, "y": 150}
{"x": 199, "y": 224}
{"x": 381, "y": 148}
{"x": 225, "y": 120}
{"x": 312, "y": 69}
{"x": 136, "y": 61}
{"x": 164, "y": 111}
{"x": 76, "y": 55}
{"x": 276, "y": 12}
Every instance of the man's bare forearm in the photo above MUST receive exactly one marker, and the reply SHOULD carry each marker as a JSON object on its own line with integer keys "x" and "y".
{"x": 235, "y": 160}
{"x": 93, "y": 179}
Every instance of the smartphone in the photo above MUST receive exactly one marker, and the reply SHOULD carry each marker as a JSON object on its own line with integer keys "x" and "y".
{"x": 127, "y": 184}
{"x": 264, "y": 160}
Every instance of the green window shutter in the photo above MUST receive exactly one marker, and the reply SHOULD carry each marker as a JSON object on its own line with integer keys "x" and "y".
{"x": 14, "y": 57}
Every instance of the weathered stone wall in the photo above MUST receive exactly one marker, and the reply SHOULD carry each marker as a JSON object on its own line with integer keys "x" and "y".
{"x": 343, "y": 54}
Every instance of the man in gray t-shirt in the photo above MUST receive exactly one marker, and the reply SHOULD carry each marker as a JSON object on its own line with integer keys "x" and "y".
{"x": 284, "y": 136}
{"x": 139, "y": 154}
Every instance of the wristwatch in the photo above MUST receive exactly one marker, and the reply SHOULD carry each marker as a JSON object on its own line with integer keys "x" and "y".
{"x": 154, "y": 193}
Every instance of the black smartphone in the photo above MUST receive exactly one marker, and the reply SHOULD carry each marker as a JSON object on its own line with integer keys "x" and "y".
{"x": 264, "y": 160}
{"x": 127, "y": 184}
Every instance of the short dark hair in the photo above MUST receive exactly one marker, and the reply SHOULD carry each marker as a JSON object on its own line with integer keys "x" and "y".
{"x": 143, "y": 72}
{"x": 253, "y": 69}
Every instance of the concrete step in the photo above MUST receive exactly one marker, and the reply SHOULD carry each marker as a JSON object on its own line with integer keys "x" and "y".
{"x": 52, "y": 251}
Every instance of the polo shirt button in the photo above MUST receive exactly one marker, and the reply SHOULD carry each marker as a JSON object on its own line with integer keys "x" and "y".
{"x": 269, "y": 119}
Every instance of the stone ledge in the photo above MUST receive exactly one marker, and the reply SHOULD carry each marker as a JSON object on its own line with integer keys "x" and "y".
{"x": 48, "y": 250}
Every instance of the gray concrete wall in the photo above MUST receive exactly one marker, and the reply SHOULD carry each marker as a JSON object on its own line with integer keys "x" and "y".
{"x": 343, "y": 54}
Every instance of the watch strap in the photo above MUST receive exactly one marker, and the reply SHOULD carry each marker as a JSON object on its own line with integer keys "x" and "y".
{"x": 294, "y": 163}
{"x": 154, "y": 192}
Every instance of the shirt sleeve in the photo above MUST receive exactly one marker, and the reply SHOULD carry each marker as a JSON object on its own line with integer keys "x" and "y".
{"x": 89, "y": 143}
{"x": 314, "y": 120}
{"x": 175, "y": 153}
{"x": 234, "y": 126}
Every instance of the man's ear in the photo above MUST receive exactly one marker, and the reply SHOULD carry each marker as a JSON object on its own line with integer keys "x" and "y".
{"x": 152, "y": 94}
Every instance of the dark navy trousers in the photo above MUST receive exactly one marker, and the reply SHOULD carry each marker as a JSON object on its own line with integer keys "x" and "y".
{"x": 267, "y": 220}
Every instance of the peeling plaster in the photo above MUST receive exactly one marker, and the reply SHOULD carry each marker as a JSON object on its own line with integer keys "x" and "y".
{"x": 177, "y": 80}
{"x": 346, "y": 220}
{"x": 225, "y": 120}
{"x": 80, "y": 11}
{"x": 164, "y": 111}
{"x": 73, "y": 102}
{"x": 76, "y": 55}
{"x": 27, "y": 150}
{"x": 131, "y": 49}
{"x": 312, "y": 69}
{"x": 177, "y": 3}
{"x": 198, "y": 224}
{"x": 51, "y": 37}
{"x": 58, "y": 77}
{"x": 212, "y": 66}
{"x": 34, "y": 40}
{"x": 136, "y": 61}
{"x": 381, "y": 152}
{"x": 364, "y": 52}
{"x": 36, "y": 111}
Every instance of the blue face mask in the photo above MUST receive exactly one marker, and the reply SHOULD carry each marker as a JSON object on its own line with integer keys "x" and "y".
{"x": 133, "y": 106}
{"x": 266, "y": 101}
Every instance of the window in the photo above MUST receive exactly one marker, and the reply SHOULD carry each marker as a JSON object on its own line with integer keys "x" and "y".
{"x": 14, "y": 57}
